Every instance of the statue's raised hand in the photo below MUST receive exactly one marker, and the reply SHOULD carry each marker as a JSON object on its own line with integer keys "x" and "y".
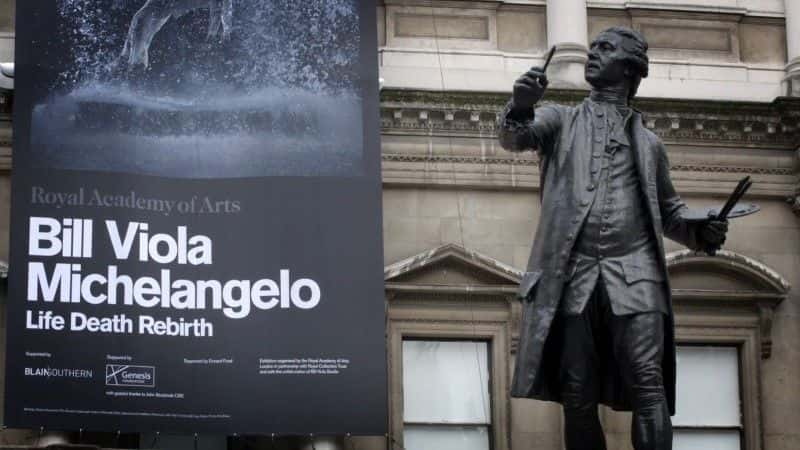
{"x": 529, "y": 88}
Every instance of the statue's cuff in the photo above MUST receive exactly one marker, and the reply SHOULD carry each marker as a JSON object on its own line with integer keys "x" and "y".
{"x": 516, "y": 123}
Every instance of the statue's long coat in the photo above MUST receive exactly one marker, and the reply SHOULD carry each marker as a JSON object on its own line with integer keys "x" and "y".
{"x": 566, "y": 147}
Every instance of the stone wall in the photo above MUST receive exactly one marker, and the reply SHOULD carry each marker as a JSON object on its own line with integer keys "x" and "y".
{"x": 446, "y": 181}
{"x": 716, "y": 50}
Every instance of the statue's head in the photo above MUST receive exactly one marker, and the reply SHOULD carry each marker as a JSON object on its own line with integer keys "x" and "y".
{"x": 617, "y": 55}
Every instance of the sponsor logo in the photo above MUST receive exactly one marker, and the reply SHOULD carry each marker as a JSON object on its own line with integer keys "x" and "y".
{"x": 52, "y": 372}
{"x": 137, "y": 376}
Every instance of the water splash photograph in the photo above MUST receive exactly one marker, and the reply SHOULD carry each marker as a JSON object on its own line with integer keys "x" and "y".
{"x": 203, "y": 89}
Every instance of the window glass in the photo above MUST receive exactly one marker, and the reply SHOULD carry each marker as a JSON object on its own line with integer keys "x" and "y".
{"x": 706, "y": 440}
{"x": 445, "y": 382}
{"x": 708, "y": 387}
{"x": 427, "y": 437}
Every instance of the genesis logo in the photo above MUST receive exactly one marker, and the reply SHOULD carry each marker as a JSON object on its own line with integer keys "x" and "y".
{"x": 135, "y": 376}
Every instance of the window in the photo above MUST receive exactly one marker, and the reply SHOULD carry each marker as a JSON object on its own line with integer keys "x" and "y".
{"x": 708, "y": 409}
{"x": 446, "y": 403}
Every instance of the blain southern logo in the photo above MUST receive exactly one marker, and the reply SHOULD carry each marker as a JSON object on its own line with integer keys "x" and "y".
{"x": 139, "y": 376}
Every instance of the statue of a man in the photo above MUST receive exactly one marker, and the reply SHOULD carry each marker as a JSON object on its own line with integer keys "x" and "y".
{"x": 597, "y": 322}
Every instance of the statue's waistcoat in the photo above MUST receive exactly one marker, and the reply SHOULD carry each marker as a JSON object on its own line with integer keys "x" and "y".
{"x": 616, "y": 241}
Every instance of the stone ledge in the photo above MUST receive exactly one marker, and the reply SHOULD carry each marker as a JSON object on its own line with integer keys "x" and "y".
{"x": 449, "y": 139}
{"x": 745, "y": 124}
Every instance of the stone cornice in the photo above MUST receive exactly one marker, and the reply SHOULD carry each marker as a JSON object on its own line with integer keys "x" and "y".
{"x": 449, "y": 139}
{"x": 739, "y": 124}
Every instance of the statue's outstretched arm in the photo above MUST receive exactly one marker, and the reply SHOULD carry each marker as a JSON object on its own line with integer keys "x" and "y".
{"x": 529, "y": 130}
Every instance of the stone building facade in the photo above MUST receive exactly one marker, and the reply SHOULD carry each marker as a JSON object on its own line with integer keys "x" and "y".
{"x": 460, "y": 212}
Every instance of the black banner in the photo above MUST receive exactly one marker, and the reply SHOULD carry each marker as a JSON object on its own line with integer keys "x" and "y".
{"x": 196, "y": 225}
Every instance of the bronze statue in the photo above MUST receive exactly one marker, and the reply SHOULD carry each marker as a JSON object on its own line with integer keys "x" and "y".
{"x": 597, "y": 322}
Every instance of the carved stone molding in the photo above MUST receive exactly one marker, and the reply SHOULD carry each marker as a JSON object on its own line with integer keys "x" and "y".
{"x": 759, "y": 293}
{"x": 753, "y": 125}
{"x": 449, "y": 139}
{"x": 532, "y": 160}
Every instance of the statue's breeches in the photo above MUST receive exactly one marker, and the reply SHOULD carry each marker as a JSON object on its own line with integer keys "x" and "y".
{"x": 634, "y": 343}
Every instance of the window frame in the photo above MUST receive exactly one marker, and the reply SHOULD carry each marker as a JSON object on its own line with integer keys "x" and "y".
{"x": 698, "y": 328}
{"x": 738, "y": 312}
{"x": 490, "y": 425}
{"x": 739, "y": 428}
{"x": 452, "y": 321}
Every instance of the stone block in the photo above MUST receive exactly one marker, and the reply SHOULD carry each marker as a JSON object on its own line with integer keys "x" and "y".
{"x": 521, "y": 32}
{"x": 713, "y": 84}
{"x": 782, "y": 441}
{"x": 534, "y": 416}
{"x": 7, "y": 13}
{"x": 400, "y": 202}
{"x": 498, "y": 231}
{"x": 450, "y": 231}
{"x": 538, "y": 441}
{"x": 618, "y": 441}
{"x": 615, "y": 422}
{"x": 439, "y": 203}
{"x": 602, "y": 19}
{"x": 521, "y": 256}
{"x": 438, "y": 28}
{"x": 718, "y": 73}
{"x": 678, "y": 71}
{"x": 500, "y": 205}
{"x": 413, "y": 229}
{"x": 381, "y": 13}
{"x": 421, "y": 25}
{"x": 763, "y": 42}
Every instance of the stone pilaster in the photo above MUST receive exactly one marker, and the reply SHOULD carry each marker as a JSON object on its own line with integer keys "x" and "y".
{"x": 567, "y": 28}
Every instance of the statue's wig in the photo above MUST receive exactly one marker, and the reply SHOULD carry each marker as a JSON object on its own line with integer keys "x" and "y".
{"x": 635, "y": 46}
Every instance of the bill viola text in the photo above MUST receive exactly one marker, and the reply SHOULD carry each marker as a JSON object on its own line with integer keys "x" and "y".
{"x": 66, "y": 282}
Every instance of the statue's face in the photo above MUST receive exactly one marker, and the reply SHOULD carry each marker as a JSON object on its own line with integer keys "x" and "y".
{"x": 606, "y": 65}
